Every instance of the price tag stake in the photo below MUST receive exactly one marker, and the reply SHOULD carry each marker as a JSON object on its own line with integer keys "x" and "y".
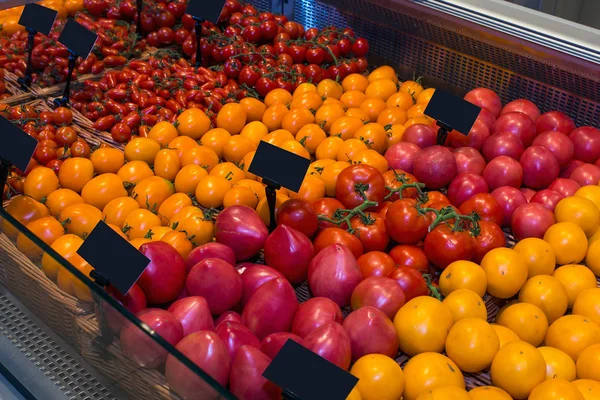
{"x": 451, "y": 113}
{"x": 201, "y": 11}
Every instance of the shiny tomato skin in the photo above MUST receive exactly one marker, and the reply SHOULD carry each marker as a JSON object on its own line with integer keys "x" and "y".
{"x": 443, "y": 246}
{"x": 327, "y": 207}
{"x": 298, "y": 214}
{"x": 404, "y": 222}
{"x": 490, "y": 237}
{"x": 410, "y": 256}
{"x": 486, "y": 206}
{"x": 376, "y": 263}
{"x": 336, "y": 235}
{"x": 371, "y": 232}
{"x": 358, "y": 179}
{"x": 411, "y": 281}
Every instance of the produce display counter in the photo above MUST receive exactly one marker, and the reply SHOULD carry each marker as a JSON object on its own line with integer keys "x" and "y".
{"x": 454, "y": 45}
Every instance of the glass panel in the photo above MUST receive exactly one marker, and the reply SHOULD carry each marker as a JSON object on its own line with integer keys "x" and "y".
{"x": 132, "y": 355}
{"x": 584, "y": 12}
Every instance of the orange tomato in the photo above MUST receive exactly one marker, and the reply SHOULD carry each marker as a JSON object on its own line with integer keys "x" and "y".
{"x": 381, "y": 88}
{"x": 465, "y": 303}
{"x": 329, "y": 148}
{"x": 327, "y": 114}
{"x": 245, "y": 165}
{"x": 555, "y": 389}
{"x": 232, "y": 118}
{"x": 538, "y": 255}
{"x": 330, "y": 174}
{"x": 60, "y": 199}
{"x": 416, "y": 111}
{"x": 278, "y": 96}
{"x": 134, "y": 172}
{"x": 119, "y": 230}
{"x": 296, "y": 147}
{"x": 10, "y": 25}
{"x": 138, "y": 242}
{"x": 80, "y": 219}
{"x": 173, "y": 205}
{"x": 425, "y": 96}
{"x": 506, "y": 272}
{"x": 73, "y": 174}
{"x": 237, "y": 147}
{"x": 296, "y": 118}
{"x": 428, "y": 371}
{"x": 157, "y": 232}
{"x": 353, "y": 98}
{"x": 558, "y": 364}
{"x": 350, "y": 149}
{"x": 309, "y": 100}
{"x": 316, "y": 167}
{"x": 547, "y": 293}
{"x": 72, "y": 6}
{"x": 201, "y": 155}
{"x": 588, "y": 388}
{"x": 257, "y": 188}
{"x": 417, "y": 121}
{"x": 383, "y": 72}
{"x": 211, "y": 191}
{"x": 278, "y": 137}
{"x": 592, "y": 258}
{"x": 254, "y": 108}
{"x": 345, "y": 127}
{"x": 518, "y": 368}
{"x": 526, "y": 320}
{"x": 414, "y": 88}
{"x": 67, "y": 246}
{"x": 182, "y": 215}
{"x": 463, "y": 275}
{"x": 142, "y": 149}
{"x": 263, "y": 208}
{"x": 504, "y": 334}
{"x": 311, "y": 136}
{"x": 587, "y": 363}
{"x": 573, "y": 334}
{"x": 472, "y": 344}
{"x": 400, "y": 100}
{"x": 181, "y": 143}
{"x": 24, "y": 209}
{"x": 102, "y": 189}
{"x": 167, "y": 164}
{"x": 72, "y": 285}
{"x": 373, "y": 106}
{"x": 40, "y": 182}
{"x": 138, "y": 223}
{"x": 164, "y": 131}
{"x": 47, "y": 229}
{"x": 575, "y": 279}
{"x": 107, "y": 160}
{"x": 330, "y": 88}
{"x": 193, "y": 123}
{"x": 358, "y": 113}
{"x": 152, "y": 192}
{"x": 303, "y": 88}
{"x": 240, "y": 195}
{"x": 568, "y": 241}
{"x": 118, "y": 209}
{"x": 312, "y": 189}
{"x": 254, "y": 131}
{"x": 199, "y": 228}
{"x": 188, "y": 177}
{"x": 229, "y": 171}
{"x": 587, "y": 304}
{"x": 216, "y": 139}
{"x": 373, "y": 135}
{"x": 372, "y": 158}
{"x": 273, "y": 116}
{"x": 179, "y": 241}
{"x": 355, "y": 82}
{"x": 391, "y": 116}
{"x": 379, "y": 377}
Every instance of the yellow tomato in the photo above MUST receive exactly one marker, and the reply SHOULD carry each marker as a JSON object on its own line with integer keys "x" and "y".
{"x": 295, "y": 119}
{"x": 588, "y": 388}
{"x": 547, "y": 293}
{"x": 401, "y": 100}
{"x": 472, "y": 344}
{"x": 373, "y": 106}
{"x": 518, "y": 368}
{"x": 465, "y": 303}
{"x": 152, "y": 192}
{"x": 10, "y": 25}
{"x": 199, "y": 228}
{"x": 164, "y": 132}
{"x": 254, "y": 108}
{"x": 263, "y": 208}
{"x": 391, "y": 116}
{"x": 61, "y": 199}
{"x": 311, "y": 101}
{"x": 506, "y": 272}
{"x": 24, "y": 209}
{"x": 417, "y": 110}
{"x": 303, "y": 88}
{"x": 592, "y": 258}
{"x": 327, "y": 114}
{"x": 312, "y": 189}
{"x": 138, "y": 223}
{"x": 588, "y": 362}
{"x": 578, "y": 210}
{"x": 330, "y": 174}
{"x": 568, "y": 241}
{"x": 245, "y": 166}
{"x": 211, "y": 191}
{"x": 316, "y": 167}
{"x": 102, "y": 189}
{"x": 381, "y": 88}
{"x": 157, "y": 232}
{"x": 373, "y": 135}
{"x": 538, "y": 256}
{"x": 354, "y": 394}
{"x": 573, "y": 334}
{"x": 80, "y": 219}
{"x": 418, "y": 121}
{"x": 278, "y": 137}
{"x": 40, "y": 182}
{"x": 422, "y": 325}
{"x": 72, "y": 285}
{"x": 488, "y": 393}
{"x": 229, "y": 171}
{"x": 345, "y": 127}
{"x": 414, "y": 88}
{"x": 380, "y": 377}
{"x": 372, "y": 158}
{"x": 257, "y": 188}
{"x": 555, "y": 389}
{"x": 172, "y": 206}
{"x": 575, "y": 279}
{"x": 425, "y": 96}
{"x": 463, "y": 275}
{"x": 134, "y": 172}
{"x": 200, "y": 155}
{"x": 67, "y": 246}
{"x": 330, "y": 88}
{"x": 232, "y": 118}
{"x": 74, "y": 173}
{"x": 47, "y": 229}
{"x": 237, "y": 147}
{"x": 240, "y": 195}
{"x": 383, "y": 72}
{"x": 138, "y": 242}
{"x": 594, "y": 237}
{"x": 329, "y": 148}
{"x": 118, "y": 209}
{"x": 504, "y": 334}
{"x": 394, "y": 135}
{"x": 188, "y": 177}
{"x": 72, "y": 6}
{"x": 179, "y": 241}
{"x": 167, "y": 164}
{"x": 445, "y": 393}
{"x": 311, "y": 136}
{"x": 355, "y": 82}
{"x": 278, "y": 96}
{"x": 590, "y": 192}
{"x": 296, "y": 147}
{"x": 526, "y": 320}
{"x": 352, "y": 98}
{"x": 428, "y": 371}
{"x": 587, "y": 304}
{"x": 350, "y": 149}
{"x": 358, "y": 113}
{"x": 215, "y": 139}
{"x": 254, "y": 131}
{"x": 107, "y": 160}
{"x": 558, "y": 364}
{"x": 142, "y": 149}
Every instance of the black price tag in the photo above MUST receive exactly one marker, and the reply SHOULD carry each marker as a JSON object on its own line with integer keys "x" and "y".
{"x": 205, "y": 10}
{"x": 307, "y": 376}
{"x": 38, "y": 18}
{"x": 16, "y": 146}
{"x": 279, "y": 166}
{"x": 452, "y": 111}
{"x": 77, "y": 38}
{"x": 113, "y": 257}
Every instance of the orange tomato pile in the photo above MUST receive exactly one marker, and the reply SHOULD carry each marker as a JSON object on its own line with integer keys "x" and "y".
{"x": 9, "y": 18}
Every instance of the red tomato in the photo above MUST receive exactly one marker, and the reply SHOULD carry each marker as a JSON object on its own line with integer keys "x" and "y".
{"x": 486, "y": 206}
{"x": 336, "y": 235}
{"x": 410, "y": 256}
{"x": 405, "y": 223}
{"x": 490, "y": 237}
{"x": 443, "y": 246}
{"x": 375, "y": 263}
{"x": 358, "y": 183}
{"x": 411, "y": 281}
{"x": 298, "y": 214}
{"x": 394, "y": 178}
{"x": 327, "y": 207}
{"x": 371, "y": 231}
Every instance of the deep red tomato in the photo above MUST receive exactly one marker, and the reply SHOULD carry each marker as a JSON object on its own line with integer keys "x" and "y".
{"x": 490, "y": 237}
{"x": 486, "y": 206}
{"x": 358, "y": 183}
{"x": 383, "y": 209}
{"x": 54, "y": 165}
{"x": 443, "y": 246}
{"x": 45, "y": 154}
{"x": 411, "y": 281}
{"x": 265, "y": 85}
{"x": 298, "y": 214}
{"x": 80, "y": 149}
{"x": 371, "y": 231}
{"x": 65, "y": 135}
{"x": 62, "y": 116}
{"x": 394, "y": 178}
{"x": 405, "y": 224}
{"x": 165, "y": 19}
{"x": 360, "y": 47}
{"x": 327, "y": 207}
{"x": 406, "y": 255}
{"x": 330, "y": 236}
{"x": 121, "y": 133}
{"x": 375, "y": 263}
{"x": 314, "y": 73}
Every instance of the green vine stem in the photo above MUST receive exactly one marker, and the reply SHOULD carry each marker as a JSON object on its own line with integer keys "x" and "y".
{"x": 448, "y": 213}
{"x": 343, "y": 216}
{"x": 406, "y": 184}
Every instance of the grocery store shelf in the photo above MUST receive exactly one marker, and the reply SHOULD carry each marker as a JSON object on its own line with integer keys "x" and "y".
{"x": 46, "y": 366}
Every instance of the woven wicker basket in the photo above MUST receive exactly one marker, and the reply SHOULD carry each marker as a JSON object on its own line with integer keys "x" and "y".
{"x": 18, "y": 95}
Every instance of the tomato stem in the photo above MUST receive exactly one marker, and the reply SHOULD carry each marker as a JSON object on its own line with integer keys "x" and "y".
{"x": 343, "y": 216}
